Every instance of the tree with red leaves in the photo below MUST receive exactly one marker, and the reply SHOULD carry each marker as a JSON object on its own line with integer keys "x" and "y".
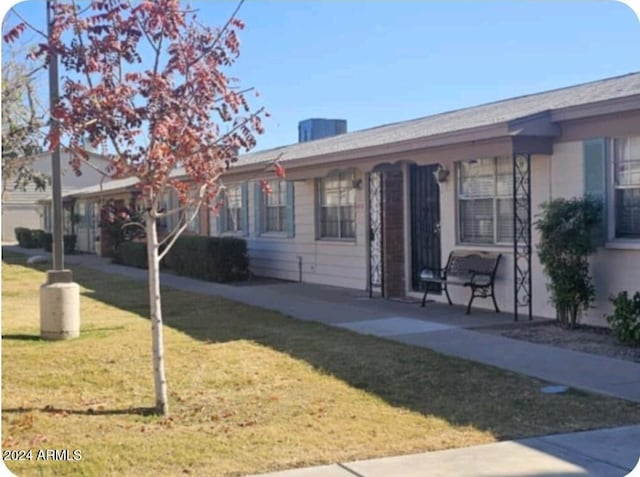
{"x": 146, "y": 83}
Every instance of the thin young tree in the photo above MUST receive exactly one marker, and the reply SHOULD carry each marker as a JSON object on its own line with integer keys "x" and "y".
{"x": 148, "y": 84}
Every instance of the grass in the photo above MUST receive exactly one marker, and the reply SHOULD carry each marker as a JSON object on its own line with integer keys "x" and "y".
{"x": 250, "y": 390}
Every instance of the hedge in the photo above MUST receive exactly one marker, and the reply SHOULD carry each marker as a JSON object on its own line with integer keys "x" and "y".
{"x": 132, "y": 254}
{"x": 29, "y": 238}
{"x": 217, "y": 259}
{"x": 68, "y": 239}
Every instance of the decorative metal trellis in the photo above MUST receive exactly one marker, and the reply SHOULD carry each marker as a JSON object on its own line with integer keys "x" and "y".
{"x": 375, "y": 233}
{"x": 522, "y": 233}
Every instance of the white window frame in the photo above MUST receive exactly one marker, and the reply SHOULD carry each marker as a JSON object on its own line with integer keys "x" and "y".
{"x": 276, "y": 201}
{"x": 494, "y": 196}
{"x": 233, "y": 223}
{"x": 616, "y": 185}
{"x": 342, "y": 176}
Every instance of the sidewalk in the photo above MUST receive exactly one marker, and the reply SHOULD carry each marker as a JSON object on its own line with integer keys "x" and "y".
{"x": 445, "y": 329}
{"x": 602, "y": 453}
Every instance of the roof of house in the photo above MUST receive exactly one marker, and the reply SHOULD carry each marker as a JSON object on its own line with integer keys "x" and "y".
{"x": 483, "y": 115}
{"x": 489, "y": 114}
{"x": 112, "y": 185}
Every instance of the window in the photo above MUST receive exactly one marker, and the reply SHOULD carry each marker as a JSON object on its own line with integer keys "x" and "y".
{"x": 485, "y": 201}
{"x": 233, "y": 216}
{"x": 337, "y": 200}
{"x": 274, "y": 212}
{"x": 194, "y": 225}
{"x": 626, "y": 163}
{"x": 275, "y": 207}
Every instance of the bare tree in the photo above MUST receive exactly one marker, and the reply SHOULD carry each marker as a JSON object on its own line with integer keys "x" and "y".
{"x": 23, "y": 118}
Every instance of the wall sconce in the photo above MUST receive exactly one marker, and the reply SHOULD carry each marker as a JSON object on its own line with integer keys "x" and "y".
{"x": 356, "y": 184}
{"x": 441, "y": 174}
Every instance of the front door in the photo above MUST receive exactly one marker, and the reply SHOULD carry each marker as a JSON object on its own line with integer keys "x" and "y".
{"x": 425, "y": 222}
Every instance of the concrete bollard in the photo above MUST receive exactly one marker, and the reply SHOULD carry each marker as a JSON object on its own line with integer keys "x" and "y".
{"x": 59, "y": 310}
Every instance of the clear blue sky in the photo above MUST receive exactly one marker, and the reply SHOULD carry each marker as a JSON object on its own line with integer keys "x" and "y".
{"x": 376, "y": 62}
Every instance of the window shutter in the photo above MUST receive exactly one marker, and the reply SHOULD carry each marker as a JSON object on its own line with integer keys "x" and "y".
{"x": 258, "y": 201}
{"x": 291, "y": 219}
{"x": 244, "y": 211}
{"x": 595, "y": 180}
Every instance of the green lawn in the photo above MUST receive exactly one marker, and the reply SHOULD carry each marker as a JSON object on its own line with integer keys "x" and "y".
{"x": 250, "y": 390}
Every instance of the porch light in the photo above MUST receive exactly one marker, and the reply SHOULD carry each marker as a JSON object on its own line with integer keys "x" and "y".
{"x": 441, "y": 174}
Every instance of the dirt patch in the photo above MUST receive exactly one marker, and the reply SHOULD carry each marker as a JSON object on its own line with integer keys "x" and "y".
{"x": 588, "y": 339}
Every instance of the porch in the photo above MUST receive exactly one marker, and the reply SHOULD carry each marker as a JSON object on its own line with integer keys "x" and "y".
{"x": 463, "y": 196}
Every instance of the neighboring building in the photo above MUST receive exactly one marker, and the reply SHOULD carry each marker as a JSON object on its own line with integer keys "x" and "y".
{"x": 369, "y": 209}
{"x": 316, "y": 128}
{"x": 23, "y": 208}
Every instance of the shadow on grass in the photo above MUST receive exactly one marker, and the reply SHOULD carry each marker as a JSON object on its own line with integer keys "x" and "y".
{"x": 22, "y": 337}
{"x": 460, "y": 392}
{"x": 137, "y": 411}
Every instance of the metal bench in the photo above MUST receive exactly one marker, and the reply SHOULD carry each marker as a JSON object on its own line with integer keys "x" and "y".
{"x": 476, "y": 270}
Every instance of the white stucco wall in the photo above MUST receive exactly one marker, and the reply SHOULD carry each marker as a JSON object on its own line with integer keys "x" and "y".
{"x": 330, "y": 262}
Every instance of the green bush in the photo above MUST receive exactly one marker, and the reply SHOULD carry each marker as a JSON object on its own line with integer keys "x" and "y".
{"x": 47, "y": 242}
{"x": 131, "y": 254}
{"x": 566, "y": 228}
{"x": 218, "y": 259}
{"x": 625, "y": 321}
{"x": 37, "y": 236}
{"x": 25, "y": 238}
{"x": 69, "y": 243}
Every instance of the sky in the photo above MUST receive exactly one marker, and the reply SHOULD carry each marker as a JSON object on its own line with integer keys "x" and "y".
{"x": 377, "y": 62}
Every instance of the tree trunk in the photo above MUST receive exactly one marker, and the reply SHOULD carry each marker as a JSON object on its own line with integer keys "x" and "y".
{"x": 162, "y": 403}
{"x": 562, "y": 315}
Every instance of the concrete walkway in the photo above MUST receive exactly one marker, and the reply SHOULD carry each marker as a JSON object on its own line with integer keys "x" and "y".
{"x": 447, "y": 330}
{"x": 603, "y": 453}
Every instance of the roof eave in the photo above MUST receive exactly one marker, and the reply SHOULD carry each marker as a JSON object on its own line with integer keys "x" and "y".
{"x": 598, "y": 108}
{"x": 479, "y": 133}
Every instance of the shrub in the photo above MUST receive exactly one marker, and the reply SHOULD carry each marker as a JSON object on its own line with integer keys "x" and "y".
{"x": 29, "y": 238}
{"x": 24, "y": 237}
{"x": 47, "y": 242}
{"x": 37, "y": 236}
{"x": 625, "y": 321}
{"x": 69, "y": 243}
{"x": 218, "y": 259}
{"x": 565, "y": 245}
{"x": 131, "y": 254}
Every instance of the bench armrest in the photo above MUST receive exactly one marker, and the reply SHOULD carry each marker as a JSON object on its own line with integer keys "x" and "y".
{"x": 486, "y": 277}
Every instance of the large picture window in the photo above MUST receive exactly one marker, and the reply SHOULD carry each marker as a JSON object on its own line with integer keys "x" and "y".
{"x": 626, "y": 162}
{"x": 485, "y": 201}
{"x": 337, "y": 199}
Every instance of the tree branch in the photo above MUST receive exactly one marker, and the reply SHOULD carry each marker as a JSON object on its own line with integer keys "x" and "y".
{"x": 31, "y": 27}
{"x": 186, "y": 223}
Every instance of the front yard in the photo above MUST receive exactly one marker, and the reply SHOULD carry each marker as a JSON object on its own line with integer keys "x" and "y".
{"x": 250, "y": 390}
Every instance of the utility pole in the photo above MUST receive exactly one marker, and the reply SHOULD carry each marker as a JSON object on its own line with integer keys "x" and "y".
{"x": 59, "y": 296}
{"x": 56, "y": 179}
